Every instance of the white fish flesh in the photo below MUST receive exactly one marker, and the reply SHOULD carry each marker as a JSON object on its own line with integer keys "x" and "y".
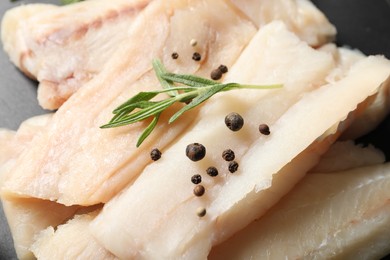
{"x": 167, "y": 225}
{"x": 71, "y": 240}
{"x": 301, "y": 16}
{"x": 27, "y": 217}
{"x": 74, "y": 233}
{"x": 345, "y": 155}
{"x": 341, "y": 215}
{"x": 76, "y": 162}
{"x": 64, "y": 47}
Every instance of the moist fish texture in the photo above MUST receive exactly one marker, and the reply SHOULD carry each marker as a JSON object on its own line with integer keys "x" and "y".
{"x": 27, "y": 217}
{"x": 341, "y": 215}
{"x": 78, "y": 227}
{"x": 71, "y": 240}
{"x": 63, "y": 52}
{"x": 76, "y": 162}
{"x": 345, "y": 155}
{"x": 171, "y": 203}
{"x": 301, "y": 16}
{"x": 64, "y": 47}
{"x": 167, "y": 225}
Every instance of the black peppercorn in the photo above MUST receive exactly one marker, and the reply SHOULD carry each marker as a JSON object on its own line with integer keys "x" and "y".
{"x": 196, "y": 179}
{"x": 223, "y": 68}
{"x": 196, "y": 56}
{"x": 233, "y": 166}
{"x": 195, "y": 152}
{"x": 201, "y": 212}
{"x": 264, "y": 129}
{"x": 155, "y": 154}
{"x": 216, "y": 74}
{"x": 234, "y": 121}
{"x": 228, "y": 155}
{"x": 175, "y": 55}
{"x": 212, "y": 171}
{"x": 199, "y": 190}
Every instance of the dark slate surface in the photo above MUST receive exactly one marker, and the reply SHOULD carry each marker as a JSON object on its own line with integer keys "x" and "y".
{"x": 362, "y": 24}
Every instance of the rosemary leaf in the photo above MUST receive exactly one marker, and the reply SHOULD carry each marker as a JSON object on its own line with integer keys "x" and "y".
{"x": 148, "y": 130}
{"x": 142, "y": 96}
{"x": 165, "y": 83}
{"x": 67, "y": 2}
{"x": 189, "y": 80}
{"x": 142, "y": 114}
{"x": 198, "y": 100}
{"x": 129, "y": 108}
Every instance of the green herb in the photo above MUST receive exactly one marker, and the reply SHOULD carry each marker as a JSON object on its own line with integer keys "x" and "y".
{"x": 67, "y": 2}
{"x": 189, "y": 89}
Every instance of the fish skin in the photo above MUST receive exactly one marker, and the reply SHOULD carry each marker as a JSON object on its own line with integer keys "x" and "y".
{"x": 54, "y": 159}
{"x": 64, "y": 47}
{"x": 167, "y": 225}
{"x": 340, "y": 215}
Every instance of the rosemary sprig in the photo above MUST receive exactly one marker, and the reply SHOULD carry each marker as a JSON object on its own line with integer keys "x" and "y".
{"x": 189, "y": 89}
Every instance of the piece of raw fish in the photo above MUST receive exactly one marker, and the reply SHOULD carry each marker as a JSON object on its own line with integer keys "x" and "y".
{"x": 27, "y": 217}
{"x": 345, "y": 155}
{"x": 301, "y": 16}
{"x": 167, "y": 225}
{"x": 77, "y": 229}
{"x": 161, "y": 200}
{"x": 64, "y": 47}
{"x": 71, "y": 240}
{"x": 378, "y": 107}
{"x": 342, "y": 215}
{"x": 76, "y": 162}
{"x": 67, "y": 46}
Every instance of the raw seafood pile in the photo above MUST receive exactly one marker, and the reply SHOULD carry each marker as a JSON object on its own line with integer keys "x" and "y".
{"x": 68, "y": 185}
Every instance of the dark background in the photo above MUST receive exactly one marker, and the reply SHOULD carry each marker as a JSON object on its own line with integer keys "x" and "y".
{"x": 362, "y": 24}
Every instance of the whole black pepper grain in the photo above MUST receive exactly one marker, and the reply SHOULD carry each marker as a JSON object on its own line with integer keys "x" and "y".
{"x": 233, "y": 166}
{"x": 175, "y": 55}
{"x": 196, "y": 56}
{"x": 223, "y": 68}
{"x": 216, "y": 74}
{"x": 264, "y": 129}
{"x": 193, "y": 42}
{"x": 196, "y": 179}
{"x": 199, "y": 190}
{"x": 234, "y": 121}
{"x": 201, "y": 212}
{"x": 212, "y": 171}
{"x": 195, "y": 152}
{"x": 228, "y": 155}
{"x": 155, "y": 154}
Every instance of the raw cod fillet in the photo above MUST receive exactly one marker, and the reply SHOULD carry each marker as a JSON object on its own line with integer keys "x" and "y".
{"x": 301, "y": 16}
{"x": 167, "y": 225}
{"x": 346, "y": 155}
{"x": 70, "y": 241}
{"x": 76, "y": 162}
{"x": 27, "y": 217}
{"x": 341, "y": 215}
{"x": 74, "y": 233}
{"x": 63, "y": 53}
{"x": 64, "y": 47}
